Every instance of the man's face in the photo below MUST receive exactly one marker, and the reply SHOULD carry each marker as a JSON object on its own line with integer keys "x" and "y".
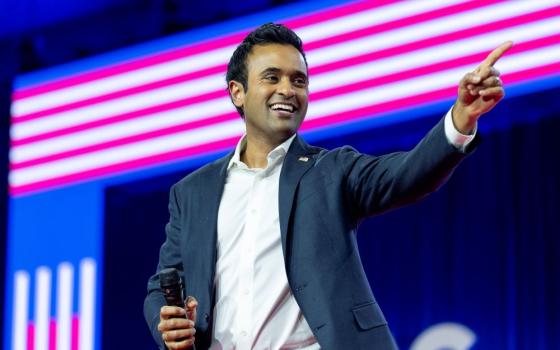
{"x": 275, "y": 102}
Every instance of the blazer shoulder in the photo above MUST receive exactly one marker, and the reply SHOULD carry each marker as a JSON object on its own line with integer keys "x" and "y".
{"x": 204, "y": 173}
{"x": 337, "y": 155}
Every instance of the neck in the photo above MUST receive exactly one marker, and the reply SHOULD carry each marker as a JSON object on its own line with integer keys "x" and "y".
{"x": 257, "y": 150}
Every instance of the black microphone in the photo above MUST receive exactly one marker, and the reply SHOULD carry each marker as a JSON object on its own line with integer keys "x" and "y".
{"x": 172, "y": 286}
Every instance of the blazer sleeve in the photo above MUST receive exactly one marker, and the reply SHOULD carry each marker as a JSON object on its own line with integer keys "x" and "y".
{"x": 379, "y": 184}
{"x": 169, "y": 256}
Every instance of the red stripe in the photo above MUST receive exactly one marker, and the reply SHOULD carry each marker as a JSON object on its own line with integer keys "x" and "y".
{"x": 221, "y": 118}
{"x": 127, "y": 166}
{"x": 30, "y": 336}
{"x": 128, "y": 66}
{"x": 432, "y": 96}
{"x": 432, "y": 68}
{"x": 393, "y": 51}
{"x": 370, "y": 111}
{"x": 126, "y": 140}
{"x": 400, "y": 23}
{"x": 223, "y": 67}
{"x": 52, "y": 334}
{"x": 474, "y": 58}
{"x": 119, "y": 118}
{"x": 517, "y": 77}
{"x": 187, "y": 50}
{"x": 335, "y": 12}
{"x": 436, "y": 40}
{"x": 120, "y": 94}
{"x": 75, "y": 342}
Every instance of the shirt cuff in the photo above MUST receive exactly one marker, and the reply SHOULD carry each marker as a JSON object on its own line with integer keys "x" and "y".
{"x": 454, "y": 137}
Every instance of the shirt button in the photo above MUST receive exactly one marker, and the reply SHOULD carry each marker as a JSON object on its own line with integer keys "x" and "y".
{"x": 243, "y": 334}
{"x": 246, "y": 292}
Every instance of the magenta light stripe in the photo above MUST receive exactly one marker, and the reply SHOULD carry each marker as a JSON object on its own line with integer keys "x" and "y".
{"x": 128, "y": 66}
{"x": 392, "y": 78}
{"x": 335, "y": 12}
{"x": 120, "y": 117}
{"x": 429, "y": 97}
{"x": 327, "y": 15}
{"x": 320, "y": 69}
{"x": 52, "y": 334}
{"x": 517, "y": 77}
{"x": 30, "y": 336}
{"x": 229, "y": 116}
{"x": 436, "y": 40}
{"x": 126, "y": 166}
{"x": 474, "y": 58}
{"x": 401, "y": 22}
{"x": 181, "y": 52}
{"x": 432, "y": 68}
{"x": 75, "y": 332}
{"x": 127, "y": 140}
{"x": 223, "y": 67}
{"x": 370, "y": 111}
{"x": 121, "y": 93}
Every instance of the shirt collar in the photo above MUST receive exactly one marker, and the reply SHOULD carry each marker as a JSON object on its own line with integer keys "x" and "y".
{"x": 279, "y": 152}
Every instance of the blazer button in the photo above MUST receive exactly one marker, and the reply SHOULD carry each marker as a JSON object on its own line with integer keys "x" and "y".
{"x": 206, "y": 317}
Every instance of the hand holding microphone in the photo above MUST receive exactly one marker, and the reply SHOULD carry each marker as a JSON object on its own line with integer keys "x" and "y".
{"x": 178, "y": 317}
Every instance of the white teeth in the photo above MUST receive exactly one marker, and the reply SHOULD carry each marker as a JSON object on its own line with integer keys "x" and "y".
{"x": 283, "y": 107}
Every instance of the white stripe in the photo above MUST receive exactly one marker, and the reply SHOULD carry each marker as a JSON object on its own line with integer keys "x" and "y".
{"x": 122, "y": 81}
{"x": 315, "y": 57}
{"x": 308, "y": 33}
{"x": 88, "y": 277}
{"x": 64, "y": 301}
{"x": 100, "y": 111}
{"x": 424, "y": 57}
{"x": 367, "y": 18}
{"x": 422, "y": 30}
{"x": 206, "y": 84}
{"x": 319, "y": 82}
{"x": 127, "y": 152}
{"x": 42, "y": 307}
{"x": 20, "y": 309}
{"x": 385, "y": 93}
{"x": 425, "y": 83}
{"x": 131, "y": 127}
{"x": 319, "y": 108}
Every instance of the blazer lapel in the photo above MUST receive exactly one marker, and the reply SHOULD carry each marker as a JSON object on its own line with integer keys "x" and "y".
{"x": 298, "y": 161}
{"x": 204, "y": 226}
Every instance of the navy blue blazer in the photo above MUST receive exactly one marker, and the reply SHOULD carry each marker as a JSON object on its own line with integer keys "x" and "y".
{"x": 323, "y": 196}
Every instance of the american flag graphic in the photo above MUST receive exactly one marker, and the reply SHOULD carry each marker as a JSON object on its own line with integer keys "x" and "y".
{"x": 61, "y": 328}
{"x": 366, "y": 58}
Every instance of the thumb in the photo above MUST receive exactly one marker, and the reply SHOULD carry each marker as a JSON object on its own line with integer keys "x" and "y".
{"x": 190, "y": 306}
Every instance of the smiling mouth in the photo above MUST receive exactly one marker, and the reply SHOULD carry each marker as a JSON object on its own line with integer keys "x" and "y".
{"x": 283, "y": 107}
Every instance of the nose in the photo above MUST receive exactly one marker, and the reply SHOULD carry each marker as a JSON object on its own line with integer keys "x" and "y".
{"x": 285, "y": 88}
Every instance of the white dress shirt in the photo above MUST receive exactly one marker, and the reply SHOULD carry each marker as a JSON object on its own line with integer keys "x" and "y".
{"x": 255, "y": 308}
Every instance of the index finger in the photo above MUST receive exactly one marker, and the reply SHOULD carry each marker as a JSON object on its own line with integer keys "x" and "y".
{"x": 495, "y": 55}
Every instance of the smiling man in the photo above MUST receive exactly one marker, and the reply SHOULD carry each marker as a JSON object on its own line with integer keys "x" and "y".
{"x": 265, "y": 237}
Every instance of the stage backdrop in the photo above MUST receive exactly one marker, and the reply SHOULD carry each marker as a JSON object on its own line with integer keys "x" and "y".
{"x": 96, "y": 144}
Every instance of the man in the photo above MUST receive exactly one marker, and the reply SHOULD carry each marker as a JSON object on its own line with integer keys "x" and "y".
{"x": 266, "y": 237}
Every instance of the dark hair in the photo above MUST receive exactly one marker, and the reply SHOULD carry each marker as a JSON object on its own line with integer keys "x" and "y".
{"x": 269, "y": 33}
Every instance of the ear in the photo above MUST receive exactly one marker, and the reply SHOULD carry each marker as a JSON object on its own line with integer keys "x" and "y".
{"x": 236, "y": 93}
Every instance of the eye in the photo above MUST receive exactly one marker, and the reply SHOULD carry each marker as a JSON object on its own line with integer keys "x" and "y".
{"x": 300, "y": 81}
{"x": 271, "y": 78}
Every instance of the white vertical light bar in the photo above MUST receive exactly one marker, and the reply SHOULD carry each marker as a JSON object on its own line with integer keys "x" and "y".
{"x": 42, "y": 307}
{"x": 20, "y": 309}
{"x": 64, "y": 299}
{"x": 87, "y": 304}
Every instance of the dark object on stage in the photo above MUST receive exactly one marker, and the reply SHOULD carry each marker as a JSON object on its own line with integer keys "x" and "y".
{"x": 172, "y": 287}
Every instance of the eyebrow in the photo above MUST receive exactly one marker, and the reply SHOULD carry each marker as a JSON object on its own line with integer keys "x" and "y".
{"x": 277, "y": 70}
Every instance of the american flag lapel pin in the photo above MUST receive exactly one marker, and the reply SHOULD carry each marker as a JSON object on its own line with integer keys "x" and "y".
{"x": 303, "y": 159}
